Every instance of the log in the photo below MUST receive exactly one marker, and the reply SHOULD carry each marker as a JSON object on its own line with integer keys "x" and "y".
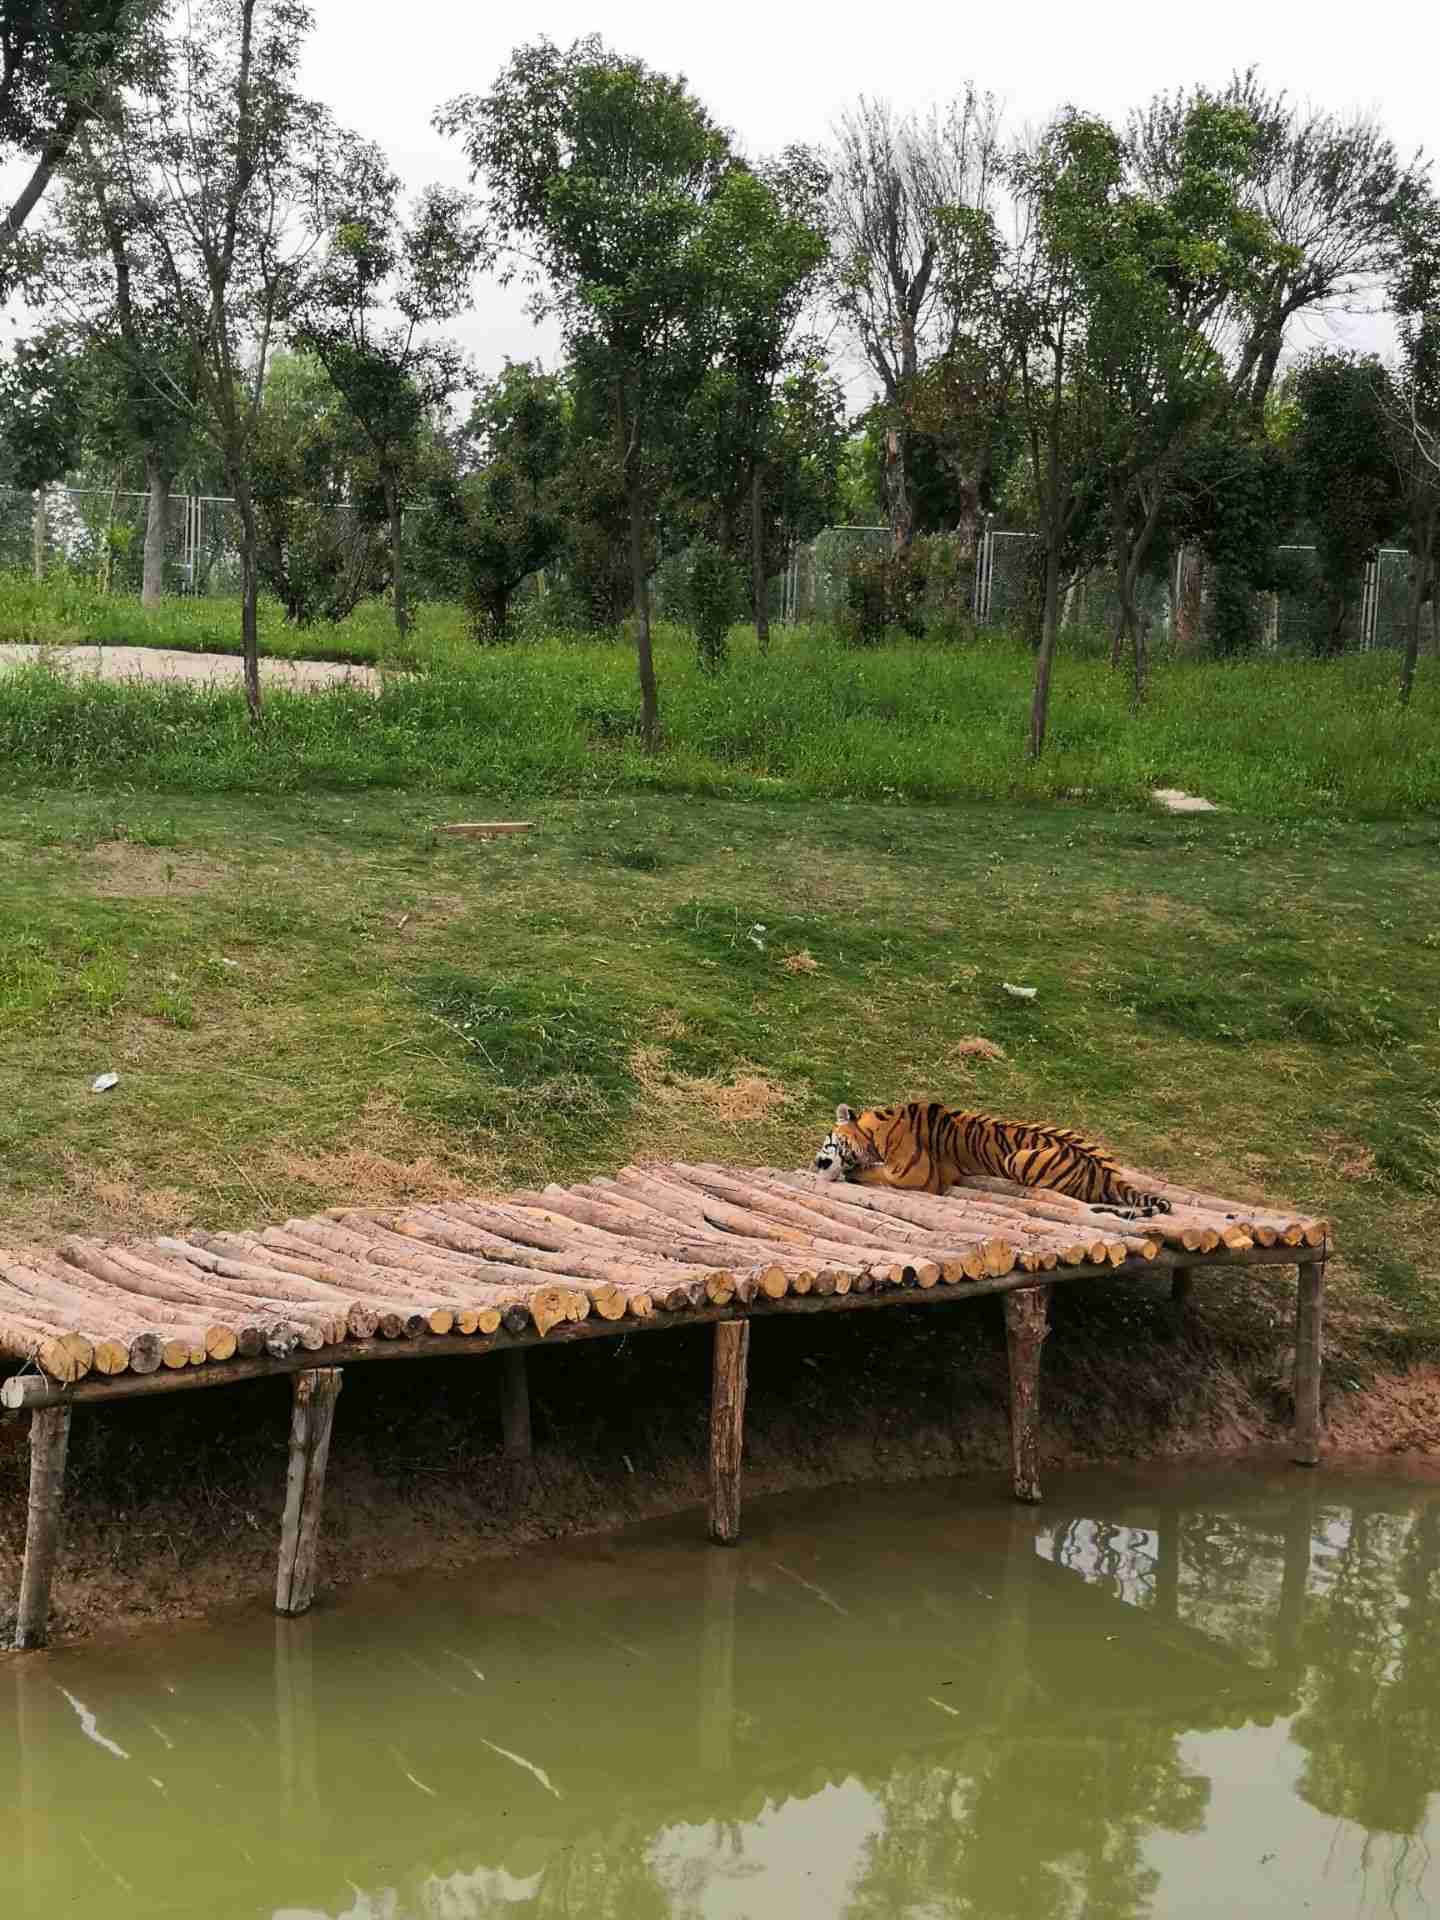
{"x": 1309, "y": 1358}
{"x": 1307, "y": 1232}
{"x": 185, "y": 1339}
{"x": 49, "y": 1443}
{"x": 56, "y": 1291}
{"x": 311, "y": 1420}
{"x": 515, "y": 1422}
{"x": 666, "y": 1196}
{"x": 610, "y": 1282}
{"x": 23, "y": 1391}
{"x": 382, "y": 1311}
{"x": 1026, "y": 1324}
{"x": 727, "y": 1428}
{"x": 1180, "y": 1280}
{"x": 362, "y": 1317}
{"x": 1093, "y": 1223}
{"x": 62, "y": 1355}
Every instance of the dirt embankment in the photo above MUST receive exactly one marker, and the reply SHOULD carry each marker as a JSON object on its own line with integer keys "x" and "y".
{"x": 174, "y": 1503}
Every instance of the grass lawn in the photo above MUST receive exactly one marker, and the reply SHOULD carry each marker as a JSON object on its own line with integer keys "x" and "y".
{"x": 314, "y": 998}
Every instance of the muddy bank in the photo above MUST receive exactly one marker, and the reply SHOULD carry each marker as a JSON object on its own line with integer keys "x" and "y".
{"x": 174, "y": 1504}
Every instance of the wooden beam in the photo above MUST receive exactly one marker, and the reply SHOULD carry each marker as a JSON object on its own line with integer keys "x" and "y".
{"x": 1309, "y": 1347}
{"x": 49, "y": 1443}
{"x": 31, "y": 1390}
{"x": 1027, "y": 1314}
{"x": 727, "y": 1428}
{"x": 1180, "y": 1282}
{"x": 311, "y": 1419}
{"x": 515, "y": 1423}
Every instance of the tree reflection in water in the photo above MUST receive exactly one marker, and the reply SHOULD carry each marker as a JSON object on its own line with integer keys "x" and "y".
{"x": 912, "y": 1706}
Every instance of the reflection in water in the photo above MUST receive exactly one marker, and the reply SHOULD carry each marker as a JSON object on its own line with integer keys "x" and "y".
{"x": 907, "y": 1704}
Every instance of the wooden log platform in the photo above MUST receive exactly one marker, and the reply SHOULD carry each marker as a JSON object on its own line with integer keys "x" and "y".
{"x": 667, "y": 1245}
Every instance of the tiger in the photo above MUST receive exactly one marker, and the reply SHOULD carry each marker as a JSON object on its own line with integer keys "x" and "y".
{"x": 925, "y": 1147}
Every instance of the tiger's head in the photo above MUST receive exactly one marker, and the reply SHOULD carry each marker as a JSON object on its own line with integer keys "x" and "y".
{"x": 847, "y": 1147}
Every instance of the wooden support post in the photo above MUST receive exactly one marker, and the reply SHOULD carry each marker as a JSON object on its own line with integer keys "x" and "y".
{"x": 1294, "y": 1582}
{"x": 1309, "y": 1324}
{"x": 1180, "y": 1279}
{"x": 1169, "y": 1542}
{"x": 515, "y": 1422}
{"x": 311, "y": 1419}
{"x": 1027, "y": 1314}
{"x": 49, "y": 1443}
{"x": 727, "y": 1428}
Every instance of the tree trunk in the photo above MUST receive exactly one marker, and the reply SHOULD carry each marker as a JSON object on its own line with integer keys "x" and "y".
{"x": 1421, "y": 562}
{"x": 157, "y": 519}
{"x": 249, "y": 598}
{"x": 1189, "y": 603}
{"x": 396, "y": 514}
{"x": 897, "y": 490}
{"x": 639, "y": 574}
{"x": 1050, "y": 626}
{"x": 760, "y": 585}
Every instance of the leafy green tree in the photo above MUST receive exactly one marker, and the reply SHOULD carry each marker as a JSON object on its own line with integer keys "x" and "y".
{"x": 1348, "y": 486}
{"x": 498, "y": 509}
{"x": 1334, "y": 194}
{"x": 62, "y": 62}
{"x": 1164, "y": 271}
{"x": 1410, "y": 401}
{"x": 42, "y": 409}
{"x": 145, "y": 394}
{"x": 601, "y": 175}
{"x": 322, "y": 548}
{"x": 1042, "y": 327}
{"x": 395, "y": 378}
{"x": 221, "y": 169}
{"x": 768, "y": 248}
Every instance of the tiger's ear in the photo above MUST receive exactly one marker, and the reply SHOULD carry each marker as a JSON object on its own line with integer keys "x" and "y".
{"x": 843, "y": 1116}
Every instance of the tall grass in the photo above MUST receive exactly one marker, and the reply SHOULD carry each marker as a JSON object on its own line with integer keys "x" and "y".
{"x": 67, "y": 611}
{"x": 914, "y": 721}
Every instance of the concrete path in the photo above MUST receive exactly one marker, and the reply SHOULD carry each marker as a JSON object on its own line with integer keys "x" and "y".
{"x": 205, "y": 669}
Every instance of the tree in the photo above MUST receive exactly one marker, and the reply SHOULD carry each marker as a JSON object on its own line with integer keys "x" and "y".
{"x": 1163, "y": 270}
{"x": 768, "y": 249}
{"x": 499, "y": 512}
{"x": 393, "y": 378}
{"x": 1333, "y": 193}
{"x": 61, "y": 62}
{"x": 223, "y": 170}
{"x": 1042, "y": 327}
{"x": 601, "y": 174}
{"x": 1409, "y": 399}
{"x": 322, "y": 548}
{"x": 1347, "y": 481}
{"x": 894, "y": 182}
{"x": 145, "y": 387}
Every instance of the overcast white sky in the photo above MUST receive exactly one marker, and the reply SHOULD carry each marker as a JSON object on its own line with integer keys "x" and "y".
{"x": 781, "y": 72}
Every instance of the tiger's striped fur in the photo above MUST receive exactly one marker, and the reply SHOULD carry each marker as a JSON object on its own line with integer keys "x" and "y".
{"x": 927, "y": 1147}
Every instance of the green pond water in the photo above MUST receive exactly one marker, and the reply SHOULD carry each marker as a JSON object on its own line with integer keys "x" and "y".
{"x": 1183, "y": 1694}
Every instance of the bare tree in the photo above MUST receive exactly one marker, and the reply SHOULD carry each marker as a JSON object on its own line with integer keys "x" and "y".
{"x": 894, "y": 182}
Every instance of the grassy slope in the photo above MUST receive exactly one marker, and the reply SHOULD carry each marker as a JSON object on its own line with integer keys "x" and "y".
{"x": 311, "y": 1000}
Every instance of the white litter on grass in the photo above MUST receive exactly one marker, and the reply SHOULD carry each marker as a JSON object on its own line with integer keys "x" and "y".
{"x": 103, "y": 1082}
{"x": 1174, "y": 801}
{"x": 1019, "y": 993}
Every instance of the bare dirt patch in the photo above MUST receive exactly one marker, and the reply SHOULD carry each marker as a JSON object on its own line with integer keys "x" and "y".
{"x": 121, "y": 871}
